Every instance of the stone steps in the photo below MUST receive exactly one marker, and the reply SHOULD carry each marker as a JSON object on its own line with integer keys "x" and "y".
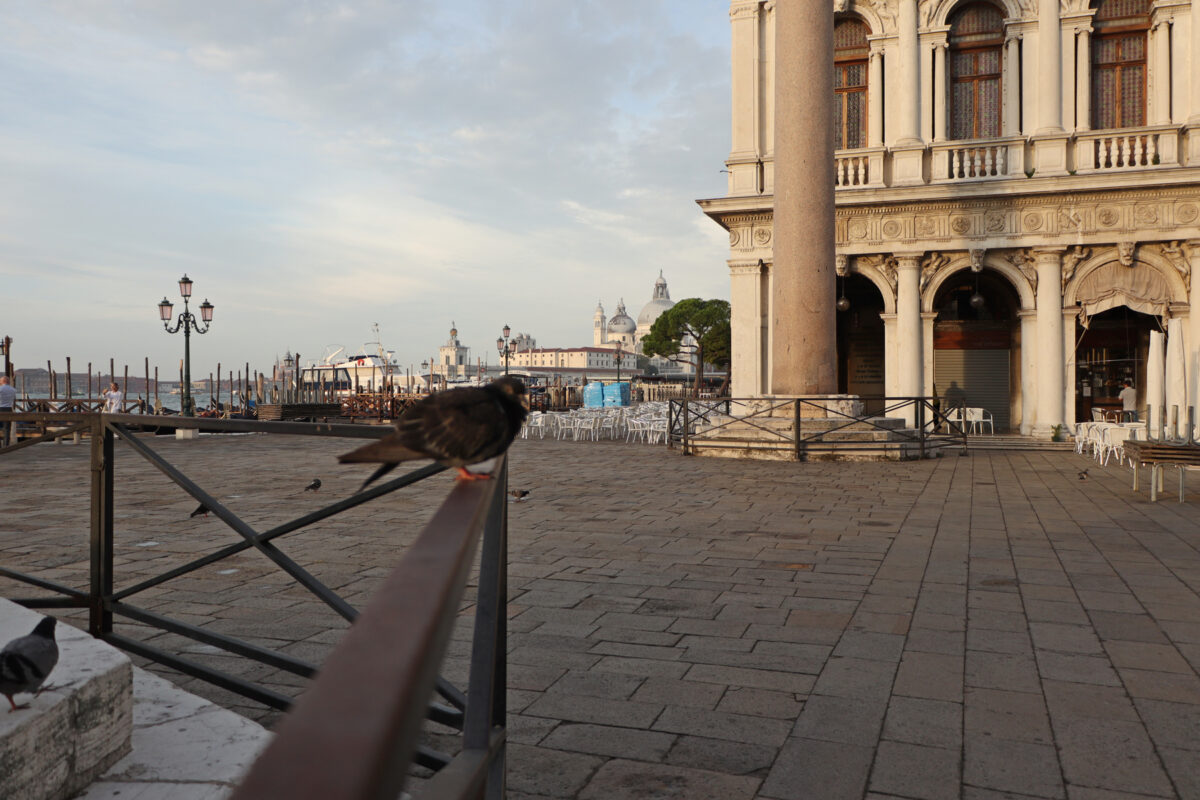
{"x": 770, "y": 438}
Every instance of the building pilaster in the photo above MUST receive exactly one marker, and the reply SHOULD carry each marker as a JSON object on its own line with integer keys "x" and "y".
{"x": 910, "y": 359}
{"x": 1050, "y": 361}
{"x": 1028, "y": 317}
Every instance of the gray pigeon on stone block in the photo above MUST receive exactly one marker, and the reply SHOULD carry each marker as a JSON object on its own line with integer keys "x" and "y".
{"x": 26, "y": 662}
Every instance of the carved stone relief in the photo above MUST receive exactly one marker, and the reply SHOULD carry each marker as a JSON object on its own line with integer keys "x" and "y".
{"x": 886, "y": 266}
{"x": 1022, "y": 260}
{"x": 841, "y": 264}
{"x": 1070, "y": 261}
{"x": 1187, "y": 212}
{"x": 1125, "y": 253}
{"x": 977, "y": 260}
{"x": 1178, "y": 255}
{"x": 930, "y": 265}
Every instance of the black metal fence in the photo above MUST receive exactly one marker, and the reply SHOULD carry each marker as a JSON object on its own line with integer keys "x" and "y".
{"x": 911, "y": 427}
{"x": 354, "y": 734}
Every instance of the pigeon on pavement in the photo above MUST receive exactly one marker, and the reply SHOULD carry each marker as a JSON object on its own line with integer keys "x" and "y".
{"x": 314, "y": 486}
{"x": 1083, "y": 475}
{"x": 26, "y": 661}
{"x": 519, "y": 495}
{"x": 455, "y": 428}
{"x": 201, "y": 511}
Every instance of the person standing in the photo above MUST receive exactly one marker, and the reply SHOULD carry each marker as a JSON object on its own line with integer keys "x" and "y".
{"x": 1128, "y": 397}
{"x": 8, "y": 401}
{"x": 112, "y": 399}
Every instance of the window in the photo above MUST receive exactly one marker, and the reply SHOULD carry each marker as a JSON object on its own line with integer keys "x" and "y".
{"x": 850, "y": 83}
{"x": 976, "y": 56}
{"x": 1119, "y": 63}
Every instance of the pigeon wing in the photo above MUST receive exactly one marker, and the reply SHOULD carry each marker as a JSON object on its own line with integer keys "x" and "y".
{"x": 463, "y": 426}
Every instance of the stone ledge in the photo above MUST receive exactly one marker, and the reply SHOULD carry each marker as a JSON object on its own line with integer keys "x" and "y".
{"x": 70, "y": 735}
{"x": 184, "y": 747}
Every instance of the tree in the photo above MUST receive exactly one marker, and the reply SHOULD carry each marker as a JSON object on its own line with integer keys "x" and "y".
{"x": 692, "y": 331}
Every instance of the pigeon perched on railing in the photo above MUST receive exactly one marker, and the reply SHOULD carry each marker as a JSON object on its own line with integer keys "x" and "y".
{"x": 26, "y": 661}
{"x": 456, "y": 428}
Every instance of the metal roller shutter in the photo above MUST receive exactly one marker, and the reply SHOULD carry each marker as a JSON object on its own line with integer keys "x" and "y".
{"x": 980, "y": 377}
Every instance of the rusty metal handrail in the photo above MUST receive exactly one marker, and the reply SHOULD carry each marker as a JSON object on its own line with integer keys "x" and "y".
{"x": 354, "y": 731}
{"x": 437, "y": 565}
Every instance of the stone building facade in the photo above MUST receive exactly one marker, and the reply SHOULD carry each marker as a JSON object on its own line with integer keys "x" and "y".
{"x": 1017, "y": 201}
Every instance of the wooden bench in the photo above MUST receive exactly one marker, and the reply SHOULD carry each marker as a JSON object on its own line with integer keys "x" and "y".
{"x": 1158, "y": 455}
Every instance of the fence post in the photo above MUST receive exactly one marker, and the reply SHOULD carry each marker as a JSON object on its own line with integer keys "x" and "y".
{"x": 921, "y": 422}
{"x": 486, "y": 697}
{"x": 686, "y": 425}
{"x": 101, "y": 583}
{"x": 796, "y": 429}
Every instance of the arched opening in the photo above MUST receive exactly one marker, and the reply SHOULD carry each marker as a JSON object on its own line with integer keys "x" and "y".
{"x": 976, "y": 66}
{"x": 1111, "y": 350}
{"x": 850, "y": 54}
{"x": 977, "y": 345}
{"x": 860, "y": 337}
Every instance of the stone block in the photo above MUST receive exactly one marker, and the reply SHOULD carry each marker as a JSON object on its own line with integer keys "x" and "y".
{"x": 73, "y": 733}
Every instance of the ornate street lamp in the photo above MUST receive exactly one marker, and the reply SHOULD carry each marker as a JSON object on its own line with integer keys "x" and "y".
{"x": 187, "y": 323}
{"x": 506, "y": 347}
{"x": 620, "y": 354}
{"x": 428, "y": 377}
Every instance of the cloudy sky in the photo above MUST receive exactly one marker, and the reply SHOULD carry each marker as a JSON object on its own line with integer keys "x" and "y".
{"x": 316, "y": 167}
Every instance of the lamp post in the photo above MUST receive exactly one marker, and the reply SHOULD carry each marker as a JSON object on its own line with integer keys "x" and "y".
{"x": 506, "y": 347}
{"x": 428, "y": 377}
{"x": 620, "y": 354}
{"x": 187, "y": 322}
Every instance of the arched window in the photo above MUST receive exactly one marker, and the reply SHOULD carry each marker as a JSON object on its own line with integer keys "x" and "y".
{"x": 1119, "y": 63}
{"x": 976, "y": 47}
{"x": 850, "y": 83}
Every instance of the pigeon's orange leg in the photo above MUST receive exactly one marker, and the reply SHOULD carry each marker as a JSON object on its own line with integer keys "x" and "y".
{"x": 464, "y": 475}
{"x": 14, "y": 705}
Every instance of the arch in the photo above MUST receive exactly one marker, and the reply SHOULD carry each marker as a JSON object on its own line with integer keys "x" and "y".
{"x": 863, "y": 10}
{"x": 1144, "y": 258}
{"x": 1020, "y": 284}
{"x": 940, "y": 10}
{"x": 875, "y": 276}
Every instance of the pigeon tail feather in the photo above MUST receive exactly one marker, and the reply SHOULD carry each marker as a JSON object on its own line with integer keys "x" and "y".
{"x": 386, "y": 451}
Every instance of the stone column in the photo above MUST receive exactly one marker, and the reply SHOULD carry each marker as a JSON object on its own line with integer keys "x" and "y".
{"x": 1069, "y": 316}
{"x": 1049, "y": 67}
{"x": 746, "y": 278}
{"x": 909, "y": 99}
{"x": 804, "y": 343}
{"x": 891, "y": 386}
{"x": 940, "y": 89}
{"x": 927, "y": 320}
{"x": 1193, "y": 121}
{"x": 875, "y": 94}
{"x": 1083, "y": 81}
{"x": 1028, "y": 365}
{"x": 1193, "y": 338}
{"x": 1010, "y": 121}
{"x": 1049, "y": 340}
{"x": 1160, "y": 80}
{"x": 910, "y": 358}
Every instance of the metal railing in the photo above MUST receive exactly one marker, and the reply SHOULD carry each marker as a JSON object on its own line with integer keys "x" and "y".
{"x": 354, "y": 734}
{"x": 743, "y": 423}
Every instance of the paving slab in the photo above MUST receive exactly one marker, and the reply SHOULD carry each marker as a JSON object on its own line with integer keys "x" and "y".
{"x": 977, "y": 627}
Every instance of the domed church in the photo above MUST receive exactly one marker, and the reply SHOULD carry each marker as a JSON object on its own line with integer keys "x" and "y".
{"x": 622, "y": 327}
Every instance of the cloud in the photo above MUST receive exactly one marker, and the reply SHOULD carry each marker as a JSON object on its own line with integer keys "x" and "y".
{"x": 316, "y": 165}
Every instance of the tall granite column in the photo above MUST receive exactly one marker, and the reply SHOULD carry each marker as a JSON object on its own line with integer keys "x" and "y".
{"x": 1050, "y": 355}
{"x": 804, "y": 342}
{"x": 1049, "y": 67}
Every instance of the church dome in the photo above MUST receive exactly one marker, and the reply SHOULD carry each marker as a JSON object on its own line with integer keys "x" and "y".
{"x": 621, "y": 322}
{"x": 659, "y": 303}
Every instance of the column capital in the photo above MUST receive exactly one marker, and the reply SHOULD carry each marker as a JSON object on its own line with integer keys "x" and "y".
{"x": 909, "y": 259}
{"x": 1047, "y": 255}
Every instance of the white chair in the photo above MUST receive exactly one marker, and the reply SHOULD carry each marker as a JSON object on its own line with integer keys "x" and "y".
{"x": 954, "y": 416}
{"x": 978, "y": 417}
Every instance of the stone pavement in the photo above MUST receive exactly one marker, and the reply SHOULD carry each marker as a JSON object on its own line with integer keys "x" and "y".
{"x": 983, "y": 627}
